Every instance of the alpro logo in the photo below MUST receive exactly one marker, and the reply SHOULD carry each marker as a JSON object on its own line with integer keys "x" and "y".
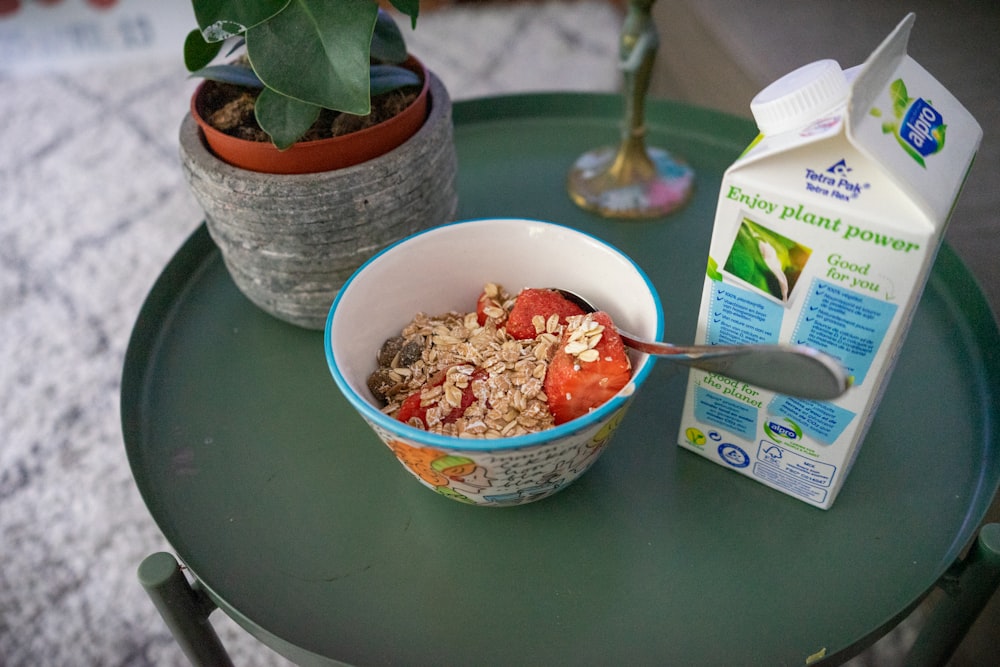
{"x": 918, "y": 126}
{"x": 788, "y": 430}
{"x": 923, "y": 128}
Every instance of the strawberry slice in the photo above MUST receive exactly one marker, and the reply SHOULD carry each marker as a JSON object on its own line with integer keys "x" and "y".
{"x": 411, "y": 407}
{"x": 482, "y": 304}
{"x": 578, "y": 379}
{"x": 535, "y": 302}
{"x": 491, "y": 302}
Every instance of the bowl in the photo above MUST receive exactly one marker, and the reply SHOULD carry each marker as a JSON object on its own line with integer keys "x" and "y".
{"x": 444, "y": 269}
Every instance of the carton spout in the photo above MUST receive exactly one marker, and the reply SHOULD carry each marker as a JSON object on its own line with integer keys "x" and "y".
{"x": 879, "y": 66}
{"x": 900, "y": 116}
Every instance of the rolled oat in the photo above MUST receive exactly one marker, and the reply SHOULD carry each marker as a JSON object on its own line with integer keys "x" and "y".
{"x": 509, "y": 399}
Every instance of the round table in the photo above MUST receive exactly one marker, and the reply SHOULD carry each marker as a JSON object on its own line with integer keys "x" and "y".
{"x": 301, "y": 525}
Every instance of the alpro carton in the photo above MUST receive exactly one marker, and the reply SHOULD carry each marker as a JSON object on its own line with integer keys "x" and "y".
{"x": 824, "y": 235}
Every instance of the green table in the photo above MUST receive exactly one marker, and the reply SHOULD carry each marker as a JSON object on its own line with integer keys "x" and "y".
{"x": 299, "y": 524}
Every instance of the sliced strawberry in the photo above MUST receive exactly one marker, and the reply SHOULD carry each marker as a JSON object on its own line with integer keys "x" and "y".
{"x": 481, "y": 305}
{"x": 468, "y": 396}
{"x": 576, "y": 385}
{"x": 411, "y": 407}
{"x": 533, "y": 302}
{"x": 491, "y": 301}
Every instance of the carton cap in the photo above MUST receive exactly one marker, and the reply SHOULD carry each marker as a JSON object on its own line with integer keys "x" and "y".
{"x": 799, "y": 97}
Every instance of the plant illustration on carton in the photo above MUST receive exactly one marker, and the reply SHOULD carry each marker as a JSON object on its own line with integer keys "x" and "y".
{"x": 766, "y": 260}
{"x": 918, "y": 126}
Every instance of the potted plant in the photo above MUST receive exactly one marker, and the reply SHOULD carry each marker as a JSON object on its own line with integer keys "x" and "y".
{"x": 302, "y": 212}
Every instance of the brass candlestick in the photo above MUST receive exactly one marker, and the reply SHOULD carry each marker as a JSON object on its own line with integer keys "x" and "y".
{"x": 631, "y": 180}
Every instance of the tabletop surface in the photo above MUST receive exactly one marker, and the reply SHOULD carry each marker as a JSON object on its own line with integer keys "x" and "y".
{"x": 290, "y": 511}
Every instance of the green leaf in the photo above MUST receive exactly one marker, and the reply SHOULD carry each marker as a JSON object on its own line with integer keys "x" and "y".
{"x": 744, "y": 259}
{"x": 221, "y": 19}
{"x": 317, "y": 51}
{"x": 741, "y": 257}
{"x": 388, "y": 45}
{"x": 939, "y": 133}
{"x": 900, "y": 97}
{"x": 713, "y": 270}
{"x": 197, "y": 52}
{"x": 409, "y": 7}
{"x": 239, "y": 75}
{"x": 389, "y": 77}
{"x": 283, "y": 118}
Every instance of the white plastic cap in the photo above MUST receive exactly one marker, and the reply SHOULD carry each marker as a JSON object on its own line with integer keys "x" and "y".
{"x": 799, "y": 97}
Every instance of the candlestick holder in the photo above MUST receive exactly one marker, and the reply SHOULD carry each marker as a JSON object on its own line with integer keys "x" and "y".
{"x": 632, "y": 180}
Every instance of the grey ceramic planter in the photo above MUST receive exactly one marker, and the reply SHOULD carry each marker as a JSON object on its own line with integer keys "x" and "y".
{"x": 290, "y": 241}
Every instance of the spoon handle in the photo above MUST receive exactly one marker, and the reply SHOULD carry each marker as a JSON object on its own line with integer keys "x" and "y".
{"x": 793, "y": 370}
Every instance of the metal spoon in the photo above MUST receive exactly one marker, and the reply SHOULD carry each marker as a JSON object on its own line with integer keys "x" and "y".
{"x": 793, "y": 370}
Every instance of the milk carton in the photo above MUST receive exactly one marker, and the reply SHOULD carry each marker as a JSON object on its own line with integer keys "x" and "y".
{"x": 825, "y": 232}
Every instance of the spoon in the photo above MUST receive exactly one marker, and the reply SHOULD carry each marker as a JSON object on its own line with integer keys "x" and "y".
{"x": 793, "y": 370}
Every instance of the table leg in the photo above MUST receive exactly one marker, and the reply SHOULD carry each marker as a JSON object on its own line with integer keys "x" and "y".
{"x": 969, "y": 586}
{"x": 184, "y": 608}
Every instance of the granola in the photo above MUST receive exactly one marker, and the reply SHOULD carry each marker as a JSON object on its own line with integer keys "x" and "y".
{"x": 472, "y": 377}
{"x": 486, "y": 374}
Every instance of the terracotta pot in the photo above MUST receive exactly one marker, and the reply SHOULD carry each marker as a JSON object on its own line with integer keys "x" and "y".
{"x": 309, "y": 157}
{"x": 289, "y": 241}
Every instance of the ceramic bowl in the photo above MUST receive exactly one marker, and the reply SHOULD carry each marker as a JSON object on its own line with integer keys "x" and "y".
{"x": 444, "y": 269}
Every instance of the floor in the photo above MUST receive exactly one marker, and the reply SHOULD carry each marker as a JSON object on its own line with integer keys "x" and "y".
{"x": 93, "y": 204}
